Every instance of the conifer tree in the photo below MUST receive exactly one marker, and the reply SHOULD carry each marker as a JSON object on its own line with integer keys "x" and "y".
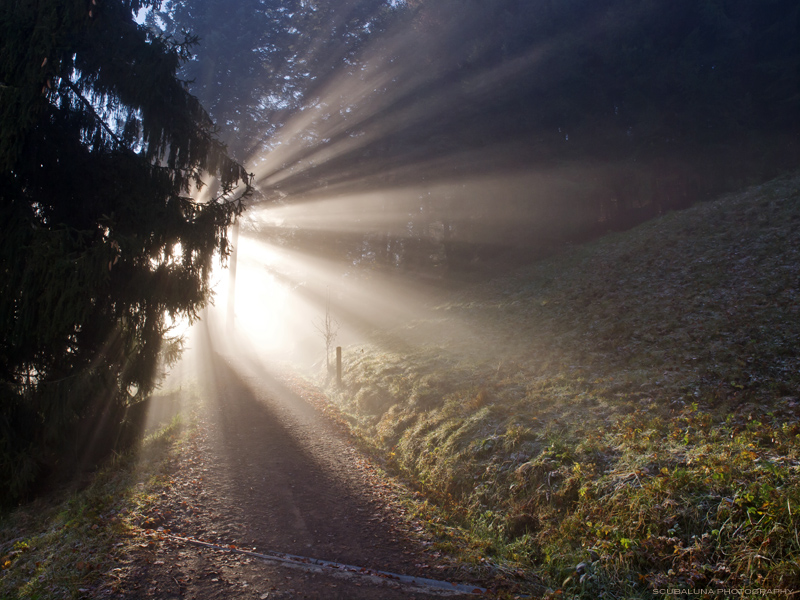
{"x": 115, "y": 197}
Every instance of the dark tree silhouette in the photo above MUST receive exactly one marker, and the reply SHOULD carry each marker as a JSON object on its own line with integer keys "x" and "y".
{"x": 109, "y": 230}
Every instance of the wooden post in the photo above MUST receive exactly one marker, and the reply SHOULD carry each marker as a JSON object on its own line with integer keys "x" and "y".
{"x": 338, "y": 365}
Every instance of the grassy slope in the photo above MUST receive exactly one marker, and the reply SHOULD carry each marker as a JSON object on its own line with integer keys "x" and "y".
{"x": 70, "y": 544}
{"x": 618, "y": 418}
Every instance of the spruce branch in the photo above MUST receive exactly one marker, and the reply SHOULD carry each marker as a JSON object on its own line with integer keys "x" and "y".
{"x": 88, "y": 105}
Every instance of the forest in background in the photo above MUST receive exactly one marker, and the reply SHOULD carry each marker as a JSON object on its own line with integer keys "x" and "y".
{"x": 517, "y": 124}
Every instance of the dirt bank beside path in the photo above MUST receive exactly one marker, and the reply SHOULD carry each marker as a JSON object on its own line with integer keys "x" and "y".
{"x": 265, "y": 472}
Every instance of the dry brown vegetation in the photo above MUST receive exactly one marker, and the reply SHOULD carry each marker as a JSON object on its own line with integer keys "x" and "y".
{"x": 618, "y": 418}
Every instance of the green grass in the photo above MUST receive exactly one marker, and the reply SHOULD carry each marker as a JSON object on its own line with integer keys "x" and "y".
{"x": 67, "y": 545}
{"x": 630, "y": 406}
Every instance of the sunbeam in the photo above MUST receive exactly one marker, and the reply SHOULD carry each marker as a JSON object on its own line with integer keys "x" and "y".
{"x": 503, "y": 290}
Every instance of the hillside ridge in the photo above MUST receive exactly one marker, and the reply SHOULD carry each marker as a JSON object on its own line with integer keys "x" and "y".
{"x": 630, "y": 404}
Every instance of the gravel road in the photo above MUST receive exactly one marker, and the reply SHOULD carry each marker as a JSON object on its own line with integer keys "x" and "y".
{"x": 268, "y": 474}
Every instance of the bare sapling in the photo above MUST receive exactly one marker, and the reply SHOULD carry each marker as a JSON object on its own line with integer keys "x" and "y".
{"x": 328, "y": 328}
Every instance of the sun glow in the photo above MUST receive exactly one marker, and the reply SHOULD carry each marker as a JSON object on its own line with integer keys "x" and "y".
{"x": 283, "y": 295}
{"x": 360, "y": 220}
{"x": 262, "y": 299}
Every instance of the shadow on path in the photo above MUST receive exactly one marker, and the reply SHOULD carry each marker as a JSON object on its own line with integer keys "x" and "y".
{"x": 286, "y": 479}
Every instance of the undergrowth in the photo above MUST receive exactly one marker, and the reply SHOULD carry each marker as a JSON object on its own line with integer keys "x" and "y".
{"x": 615, "y": 421}
{"x": 69, "y": 544}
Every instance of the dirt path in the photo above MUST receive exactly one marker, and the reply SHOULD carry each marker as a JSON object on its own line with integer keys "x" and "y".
{"x": 267, "y": 473}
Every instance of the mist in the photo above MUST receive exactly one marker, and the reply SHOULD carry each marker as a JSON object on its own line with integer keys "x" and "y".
{"x": 402, "y": 149}
{"x": 553, "y": 242}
